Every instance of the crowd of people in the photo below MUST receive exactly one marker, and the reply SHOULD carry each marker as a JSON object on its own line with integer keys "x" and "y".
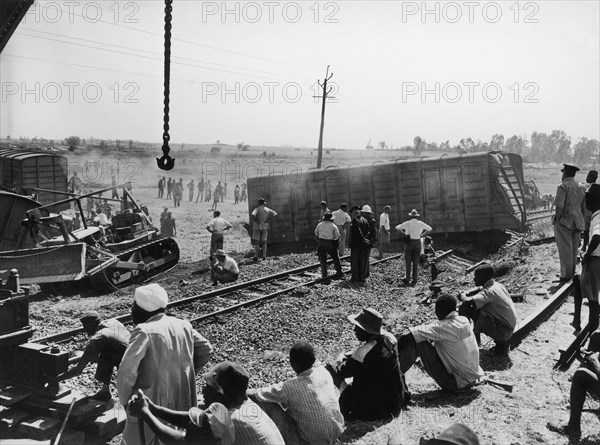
{"x": 158, "y": 362}
{"x": 203, "y": 190}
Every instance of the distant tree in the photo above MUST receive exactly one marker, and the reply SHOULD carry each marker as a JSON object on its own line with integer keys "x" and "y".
{"x": 466, "y": 145}
{"x": 130, "y": 144}
{"x": 586, "y": 151}
{"x": 382, "y": 145}
{"x": 369, "y": 146}
{"x": 215, "y": 149}
{"x": 73, "y": 141}
{"x": 445, "y": 146}
{"x": 8, "y": 137}
{"x": 265, "y": 153}
{"x": 480, "y": 146}
{"x": 561, "y": 144}
{"x": 103, "y": 144}
{"x": 418, "y": 145}
{"x": 497, "y": 142}
{"x": 240, "y": 145}
{"x": 326, "y": 152}
{"x": 515, "y": 144}
{"x": 218, "y": 141}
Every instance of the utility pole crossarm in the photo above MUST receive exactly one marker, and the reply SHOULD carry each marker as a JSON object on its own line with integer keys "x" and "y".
{"x": 325, "y": 95}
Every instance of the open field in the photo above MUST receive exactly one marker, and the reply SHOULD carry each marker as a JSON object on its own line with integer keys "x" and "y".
{"x": 259, "y": 337}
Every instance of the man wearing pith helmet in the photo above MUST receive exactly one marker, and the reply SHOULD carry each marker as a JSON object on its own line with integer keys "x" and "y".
{"x": 568, "y": 220}
{"x": 163, "y": 357}
{"x": 377, "y": 390}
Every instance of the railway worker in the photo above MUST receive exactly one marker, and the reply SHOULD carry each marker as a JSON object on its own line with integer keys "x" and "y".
{"x": 312, "y": 411}
{"x": 224, "y": 194}
{"x": 568, "y": 221}
{"x": 377, "y": 390}
{"x": 324, "y": 209}
{"x": 223, "y": 268}
{"x": 236, "y": 194}
{"x": 588, "y": 285}
{"x": 216, "y": 197}
{"x": 260, "y": 228}
{"x": 384, "y": 230}
{"x": 167, "y": 226}
{"x": 217, "y": 228}
{"x": 342, "y": 220}
{"x": 115, "y": 192}
{"x": 586, "y": 379}
{"x": 170, "y": 184}
{"x": 191, "y": 187}
{"x": 161, "y": 187}
{"x": 211, "y": 426}
{"x": 491, "y": 310}
{"x": 415, "y": 229}
{"x": 163, "y": 357}
{"x": 76, "y": 222}
{"x": 200, "y": 194}
{"x": 452, "y": 360}
{"x": 359, "y": 245}
{"x": 244, "y": 193}
{"x": 109, "y": 340}
{"x": 75, "y": 184}
{"x": 164, "y": 215}
{"x": 328, "y": 237}
{"x": 208, "y": 191}
{"x": 590, "y": 179}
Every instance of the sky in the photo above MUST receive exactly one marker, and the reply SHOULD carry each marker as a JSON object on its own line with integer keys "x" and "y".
{"x": 248, "y": 71}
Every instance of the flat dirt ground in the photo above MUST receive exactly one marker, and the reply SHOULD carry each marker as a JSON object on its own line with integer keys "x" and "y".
{"x": 260, "y": 337}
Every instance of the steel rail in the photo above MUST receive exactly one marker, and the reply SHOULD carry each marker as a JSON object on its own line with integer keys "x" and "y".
{"x": 125, "y": 318}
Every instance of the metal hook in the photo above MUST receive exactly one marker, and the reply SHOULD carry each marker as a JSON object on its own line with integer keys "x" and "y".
{"x": 166, "y": 162}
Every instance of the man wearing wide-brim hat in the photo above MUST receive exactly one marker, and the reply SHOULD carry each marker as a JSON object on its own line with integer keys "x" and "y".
{"x": 377, "y": 390}
{"x": 568, "y": 220}
{"x": 413, "y": 230}
{"x": 163, "y": 357}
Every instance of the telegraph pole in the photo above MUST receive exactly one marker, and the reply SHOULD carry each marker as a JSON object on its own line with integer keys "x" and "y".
{"x": 325, "y": 96}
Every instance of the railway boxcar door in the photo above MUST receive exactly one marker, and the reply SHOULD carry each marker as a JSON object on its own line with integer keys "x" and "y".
{"x": 453, "y": 207}
{"x": 434, "y": 208}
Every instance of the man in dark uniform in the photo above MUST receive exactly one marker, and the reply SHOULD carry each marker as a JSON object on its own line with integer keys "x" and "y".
{"x": 360, "y": 245}
{"x": 107, "y": 346}
{"x": 377, "y": 390}
{"x": 568, "y": 220}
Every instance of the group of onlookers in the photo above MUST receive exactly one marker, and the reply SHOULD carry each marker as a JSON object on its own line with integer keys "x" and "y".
{"x": 203, "y": 190}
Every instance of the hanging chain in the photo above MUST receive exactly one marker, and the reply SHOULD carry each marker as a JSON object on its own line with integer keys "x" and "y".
{"x": 166, "y": 162}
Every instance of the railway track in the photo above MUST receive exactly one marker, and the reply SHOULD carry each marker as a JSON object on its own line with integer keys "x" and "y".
{"x": 215, "y": 303}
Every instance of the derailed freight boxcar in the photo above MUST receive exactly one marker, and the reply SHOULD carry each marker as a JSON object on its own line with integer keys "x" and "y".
{"x": 22, "y": 171}
{"x": 470, "y": 193}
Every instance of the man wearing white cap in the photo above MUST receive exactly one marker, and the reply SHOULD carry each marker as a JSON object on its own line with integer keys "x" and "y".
{"x": 163, "y": 357}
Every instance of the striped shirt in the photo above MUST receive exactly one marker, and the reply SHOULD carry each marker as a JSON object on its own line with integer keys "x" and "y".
{"x": 254, "y": 427}
{"x": 310, "y": 399}
{"x": 327, "y": 230}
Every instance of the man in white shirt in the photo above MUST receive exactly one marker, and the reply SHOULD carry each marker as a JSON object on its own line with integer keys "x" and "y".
{"x": 224, "y": 269}
{"x": 384, "y": 230}
{"x": 328, "y": 235}
{"x": 217, "y": 227}
{"x": 412, "y": 251}
{"x": 447, "y": 347}
{"x": 342, "y": 220}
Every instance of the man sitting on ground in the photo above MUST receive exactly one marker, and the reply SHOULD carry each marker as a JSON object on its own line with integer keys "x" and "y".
{"x": 586, "y": 378}
{"x": 223, "y": 268}
{"x": 492, "y": 309}
{"x": 107, "y": 346}
{"x": 312, "y": 414}
{"x": 447, "y": 347}
{"x": 378, "y": 389}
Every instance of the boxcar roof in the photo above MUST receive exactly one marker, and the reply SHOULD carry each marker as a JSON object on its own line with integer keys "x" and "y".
{"x": 10, "y": 153}
{"x": 424, "y": 159}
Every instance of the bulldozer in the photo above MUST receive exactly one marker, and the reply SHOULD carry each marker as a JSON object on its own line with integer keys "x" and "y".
{"x": 95, "y": 257}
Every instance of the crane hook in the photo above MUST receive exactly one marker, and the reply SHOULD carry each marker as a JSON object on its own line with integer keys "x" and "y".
{"x": 165, "y": 162}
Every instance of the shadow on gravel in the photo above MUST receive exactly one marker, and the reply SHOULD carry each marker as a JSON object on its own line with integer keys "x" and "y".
{"x": 356, "y": 430}
{"x": 443, "y": 399}
{"x": 491, "y": 362}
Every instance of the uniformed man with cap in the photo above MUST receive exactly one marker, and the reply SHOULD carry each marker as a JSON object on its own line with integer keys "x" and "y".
{"x": 568, "y": 220}
{"x": 163, "y": 357}
{"x": 109, "y": 340}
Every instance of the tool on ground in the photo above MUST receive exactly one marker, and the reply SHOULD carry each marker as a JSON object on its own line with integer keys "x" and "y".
{"x": 64, "y": 424}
